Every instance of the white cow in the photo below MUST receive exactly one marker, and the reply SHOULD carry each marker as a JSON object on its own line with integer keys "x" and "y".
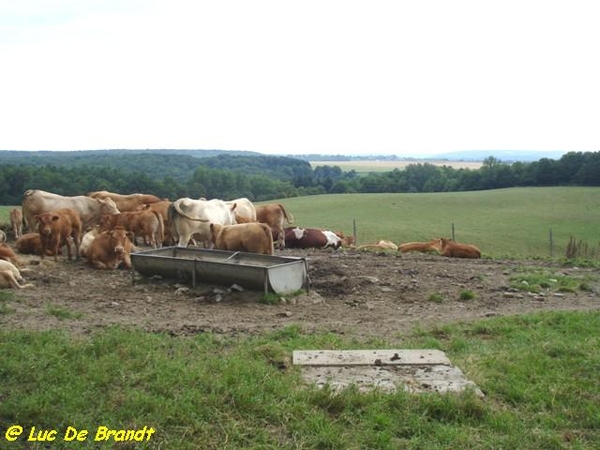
{"x": 245, "y": 211}
{"x": 90, "y": 209}
{"x": 189, "y": 217}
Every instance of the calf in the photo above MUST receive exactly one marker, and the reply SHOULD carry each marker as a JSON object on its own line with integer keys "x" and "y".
{"x": 58, "y": 228}
{"x": 16, "y": 222}
{"x": 10, "y": 276}
{"x": 146, "y": 223}
{"x": 110, "y": 249}
{"x": 456, "y": 250}
{"x": 275, "y": 216}
{"x": 381, "y": 245}
{"x": 424, "y": 247}
{"x": 245, "y": 237}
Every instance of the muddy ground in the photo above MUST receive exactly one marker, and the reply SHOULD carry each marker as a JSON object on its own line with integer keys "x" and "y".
{"x": 360, "y": 294}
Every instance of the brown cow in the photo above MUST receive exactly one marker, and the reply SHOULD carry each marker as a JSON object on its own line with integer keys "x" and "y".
{"x": 456, "y": 250}
{"x": 8, "y": 254}
{"x": 276, "y": 216}
{"x": 432, "y": 246}
{"x": 129, "y": 202}
{"x": 58, "y": 228}
{"x": 146, "y": 223}
{"x": 10, "y": 276}
{"x": 31, "y": 244}
{"x": 252, "y": 237}
{"x": 16, "y": 222}
{"x": 162, "y": 208}
{"x": 87, "y": 239}
{"x": 380, "y": 245}
{"x": 110, "y": 249}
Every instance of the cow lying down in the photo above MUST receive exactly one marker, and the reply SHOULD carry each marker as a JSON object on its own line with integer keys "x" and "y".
{"x": 381, "y": 245}
{"x": 10, "y": 276}
{"x": 297, "y": 237}
{"x": 424, "y": 247}
{"x": 252, "y": 237}
{"x": 110, "y": 249}
{"x": 457, "y": 250}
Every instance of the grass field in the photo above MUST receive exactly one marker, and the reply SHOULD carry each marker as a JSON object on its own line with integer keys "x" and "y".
{"x": 512, "y": 222}
{"x": 539, "y": 374}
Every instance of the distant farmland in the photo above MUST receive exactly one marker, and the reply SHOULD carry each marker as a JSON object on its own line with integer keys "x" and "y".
{"x": 365, "y": 166}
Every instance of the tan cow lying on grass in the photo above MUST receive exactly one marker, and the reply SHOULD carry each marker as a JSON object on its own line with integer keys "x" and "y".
{"x": 424, "y": 247}
{"x": 10, "y": 276}
{"x": 31, "y": 244}
{"x": 244, "y": 237}
{"x": 456, "y": 250}
{"x": 380, "y": 245}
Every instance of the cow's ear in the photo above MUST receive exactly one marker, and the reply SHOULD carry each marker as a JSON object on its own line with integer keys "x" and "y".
{"x": 212, "y": 227}
{"x": 55, "y": 218}
{"x": 233, "y": 206}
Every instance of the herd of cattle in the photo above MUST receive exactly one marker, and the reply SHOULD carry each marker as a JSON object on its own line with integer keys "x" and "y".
{"x": 104, "y": 228}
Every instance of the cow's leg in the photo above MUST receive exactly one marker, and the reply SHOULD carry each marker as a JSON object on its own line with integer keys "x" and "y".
{"x": 9, "y": 276}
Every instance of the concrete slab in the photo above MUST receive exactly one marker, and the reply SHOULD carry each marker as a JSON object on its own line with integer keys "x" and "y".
{"x": 415, "y": 371}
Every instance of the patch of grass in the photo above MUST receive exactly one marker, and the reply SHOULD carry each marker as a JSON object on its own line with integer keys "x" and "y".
{"x": 213, "y": 391}
{"x": 62, "y": 313}
{"x": 270, "y": 299}
{"x": 5, "y": 297}
{"x": 466, "y": 295}
{"x": 436, "y": 298}
{"x": 538, "y": 279}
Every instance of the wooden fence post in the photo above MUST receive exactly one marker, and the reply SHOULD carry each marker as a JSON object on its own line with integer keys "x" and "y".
{"x": 354, "y": 231}
{"x": 453, "y": 232}
{"x": 551, "y": 243}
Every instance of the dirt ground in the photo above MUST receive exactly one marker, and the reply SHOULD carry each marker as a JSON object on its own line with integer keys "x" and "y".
{"x": 360, "y": 294}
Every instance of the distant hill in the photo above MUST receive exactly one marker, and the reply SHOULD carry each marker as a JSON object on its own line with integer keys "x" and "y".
{"x": 502, "y": 155}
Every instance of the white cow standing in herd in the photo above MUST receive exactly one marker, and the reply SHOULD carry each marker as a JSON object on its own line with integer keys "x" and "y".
{"x": 191, "y": 218}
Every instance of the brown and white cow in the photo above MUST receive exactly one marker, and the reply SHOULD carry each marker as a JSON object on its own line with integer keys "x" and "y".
{"x": 59, "y": 228}
{"x": 457, "y": 250}
{"x": 275, "y": 216}
{"x": 10, "y": 276}
{"x": 16, "y": 222}
{"x": 145, "y": 223}
{"x": 128, "y": 202}
{"x": 31, "y": 244}
{"x": 110, "y": 249}
{"x": 89, "y": 209}
{"x": 254, "y": 237}
{"x": 424, "y": 247}
{"x": 311, "y": 238}
{"x": 192, "y": 218}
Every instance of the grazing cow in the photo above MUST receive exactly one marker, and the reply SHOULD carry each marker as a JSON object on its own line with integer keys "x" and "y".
{"x": 16, "y": 222}
{"x": 190, "y": 217}
{"x": 424, "y": 247}
{"x": 129, "y": 202}
{"x": 31, "y": 244}
{"x": 254, "y": 237}
{"x": 276, "y": 216}
{"x": 58, "y": 228}
{"x": 380, "y": 245}
{"x": 311, "y": 238}
{"x": 110, "y": 249}
{"x": 8, "y": 254}
{"x": 10, "y": 276}
{"x": 89, "y": 209}
{"x": 146, "y": 223}
{"x": 87, "y": 239}
{"x": 456, "y": 250}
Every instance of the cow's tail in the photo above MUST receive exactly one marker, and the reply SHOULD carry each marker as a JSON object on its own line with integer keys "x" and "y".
{"x": 267, "y": 230}
{"x": 179, "y": 211}
{"x": 160, "y": 232}
{"x": 287, "y": 215}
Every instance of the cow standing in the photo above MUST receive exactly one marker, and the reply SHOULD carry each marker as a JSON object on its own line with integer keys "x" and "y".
{"x": 275, "y": 216}
{"x": 252, "y": 237}
{"x": 58, "y": 228}
{"x": 192, "y": 218}
{"x": 16, "y": 222}
{"x": 146, "y": 223}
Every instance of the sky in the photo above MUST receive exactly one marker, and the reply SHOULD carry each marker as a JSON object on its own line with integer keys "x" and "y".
{"x": 352, "y": 77}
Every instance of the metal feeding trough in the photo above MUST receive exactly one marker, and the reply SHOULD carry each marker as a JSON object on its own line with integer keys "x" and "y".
{"x": 281, "y": 275}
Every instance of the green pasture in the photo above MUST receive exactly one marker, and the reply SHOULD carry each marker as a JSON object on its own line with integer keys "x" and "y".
{"x": 515, "y": 222}
{"x": 539, "y": 374}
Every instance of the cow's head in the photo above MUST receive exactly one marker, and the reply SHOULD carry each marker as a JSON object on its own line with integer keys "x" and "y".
{"x": 119, "y": 239}
{"x": 45, "y": 222}
{"x": 108, "y": 206}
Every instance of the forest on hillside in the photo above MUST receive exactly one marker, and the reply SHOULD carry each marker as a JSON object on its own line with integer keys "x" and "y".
{"x": 219, "y": 174}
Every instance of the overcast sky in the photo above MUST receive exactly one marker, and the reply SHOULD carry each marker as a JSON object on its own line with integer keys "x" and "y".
{"x": 332, "y": 77}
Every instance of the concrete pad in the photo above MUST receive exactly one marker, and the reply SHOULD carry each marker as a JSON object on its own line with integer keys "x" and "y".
{"x": 415, "y": 371}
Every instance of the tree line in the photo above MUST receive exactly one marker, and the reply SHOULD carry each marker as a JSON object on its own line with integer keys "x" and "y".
{"x": 262, "y": 178}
